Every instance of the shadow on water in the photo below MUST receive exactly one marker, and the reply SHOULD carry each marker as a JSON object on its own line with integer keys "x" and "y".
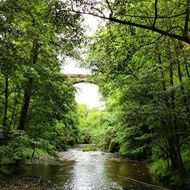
{"x": 78, "y": 170}
{"x": 131, "y": 175}
{"x": 54, "y": 173}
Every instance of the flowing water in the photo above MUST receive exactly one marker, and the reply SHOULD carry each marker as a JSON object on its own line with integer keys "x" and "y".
{"x": 79, "y": 170}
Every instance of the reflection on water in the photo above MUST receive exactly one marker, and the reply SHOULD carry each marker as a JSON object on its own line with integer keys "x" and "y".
{"x": 89, "y": 172}
{"x": 78, "y": 170}
{"x": 53, "y": 173}
{"x": 130, "y": 174}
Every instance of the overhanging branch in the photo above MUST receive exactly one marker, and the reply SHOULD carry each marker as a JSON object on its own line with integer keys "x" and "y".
{"x": 111, "y": 18}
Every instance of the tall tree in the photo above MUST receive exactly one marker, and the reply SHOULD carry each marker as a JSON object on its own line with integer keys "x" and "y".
{"x": 40, "y": 26}
{"x": 144, "y": 73}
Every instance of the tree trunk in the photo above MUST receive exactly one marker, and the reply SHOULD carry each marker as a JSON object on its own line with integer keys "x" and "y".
{"x": 164, "y": 88}
{"x": 175, "y": 156}
{"x": 4, "y": 123}
{"x": 16, "y": 98}
{"x": 186, "y": 63}
{"x": 180, "y": 77}
{"x": 28, "y": 88}
{"x": 26, "y": 102}
{"x": 172, "y": 99}
{"x": 173, "y": 139}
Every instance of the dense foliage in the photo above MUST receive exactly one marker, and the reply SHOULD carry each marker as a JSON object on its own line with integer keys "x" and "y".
{"x": 145, "y": 82}
{"x": 140, "y": 59}
{"x": 152, "y": 15}
{"x": 38, "y": 110}
{"x": 96, "y": 129}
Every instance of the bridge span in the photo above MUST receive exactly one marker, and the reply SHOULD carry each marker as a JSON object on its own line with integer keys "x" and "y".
{"x": 80, "y": 78}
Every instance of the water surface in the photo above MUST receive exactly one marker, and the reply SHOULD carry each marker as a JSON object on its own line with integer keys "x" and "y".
{"x": 79, "y": 170}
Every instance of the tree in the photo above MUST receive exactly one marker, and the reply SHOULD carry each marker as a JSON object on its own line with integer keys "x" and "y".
{"x": 40, "y": 27}
{"x": 145, "y": 79}
{"x": 36, "y": 99}
{"x": 150, "y": 16}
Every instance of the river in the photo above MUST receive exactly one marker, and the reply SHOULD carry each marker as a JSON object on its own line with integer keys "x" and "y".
{"x": 79, "y": 170}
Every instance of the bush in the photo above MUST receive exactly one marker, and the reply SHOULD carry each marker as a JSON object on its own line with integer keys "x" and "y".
{"x": 160, "y": 169}
{"x": 15, "y": 149}
{"x": 19, "y": 147}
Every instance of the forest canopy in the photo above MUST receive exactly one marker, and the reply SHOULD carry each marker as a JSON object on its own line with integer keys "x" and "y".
{"x": 140, "y": 61}
{"x": 37, "y": 100}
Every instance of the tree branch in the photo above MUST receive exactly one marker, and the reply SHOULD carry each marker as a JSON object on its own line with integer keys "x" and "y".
{"x": 156, "y": 12}
{"x": 158, "y": 17}
{"x": 185, "y": 39}
{"x": 151, "y": 28}
{"x": 110, "y": 8}
{"x": 186, "y": 27}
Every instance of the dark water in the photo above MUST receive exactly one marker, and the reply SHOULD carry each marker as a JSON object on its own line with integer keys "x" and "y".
{"x": 78, "y": 170}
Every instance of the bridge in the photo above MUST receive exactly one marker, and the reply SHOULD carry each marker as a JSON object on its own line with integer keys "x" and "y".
{"x": 80, "y": 78}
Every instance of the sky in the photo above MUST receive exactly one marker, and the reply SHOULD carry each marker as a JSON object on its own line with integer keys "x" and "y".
{"x": 73, "y": 67}
{"x": 87, "y": 93}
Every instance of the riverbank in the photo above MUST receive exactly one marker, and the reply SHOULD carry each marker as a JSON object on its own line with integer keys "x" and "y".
{"x": 23, "y": 182}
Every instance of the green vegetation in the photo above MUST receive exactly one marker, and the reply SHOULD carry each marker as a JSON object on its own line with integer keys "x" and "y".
{"x": 145, "y": 83}
{"x": 140, "y": 60}
{"x": 96, "y": 129}
{"x": 38, "y": 110}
